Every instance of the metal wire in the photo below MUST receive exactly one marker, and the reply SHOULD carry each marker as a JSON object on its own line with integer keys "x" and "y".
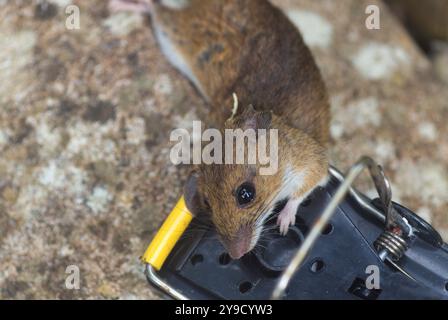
{"x": 393, "y": 243}
{"x": 152, "y": 276}
{"x": 383, "y": 187}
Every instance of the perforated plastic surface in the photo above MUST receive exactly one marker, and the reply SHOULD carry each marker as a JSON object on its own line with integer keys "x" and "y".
{"x": 336, "y": 267}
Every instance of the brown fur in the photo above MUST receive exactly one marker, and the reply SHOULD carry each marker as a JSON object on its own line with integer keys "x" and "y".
{"x": 219, "y": 182}
{"x": 249, "y": 47}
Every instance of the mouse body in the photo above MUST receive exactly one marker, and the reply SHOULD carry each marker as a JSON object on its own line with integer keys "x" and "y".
{"x": 250, "y": 48}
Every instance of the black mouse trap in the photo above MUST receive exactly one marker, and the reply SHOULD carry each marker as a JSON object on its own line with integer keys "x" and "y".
{"x": 359, "y": 249}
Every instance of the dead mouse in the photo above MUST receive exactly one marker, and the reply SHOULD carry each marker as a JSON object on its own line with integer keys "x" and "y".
{"x": 250, "y": 48}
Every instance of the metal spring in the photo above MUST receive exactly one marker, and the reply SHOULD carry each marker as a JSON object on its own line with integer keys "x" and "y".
{"x": 393, "y": 243}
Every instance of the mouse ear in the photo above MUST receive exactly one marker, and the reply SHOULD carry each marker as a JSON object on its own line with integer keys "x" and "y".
{"x": 252, "y": 119}
{"x": 193, "y": 198}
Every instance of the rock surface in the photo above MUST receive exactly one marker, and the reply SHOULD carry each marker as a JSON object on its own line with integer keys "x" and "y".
{"x": 85, "y": 118}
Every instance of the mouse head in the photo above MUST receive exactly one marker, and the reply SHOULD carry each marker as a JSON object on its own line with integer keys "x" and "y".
{"x": 239, "y": 197}
{"x": 235, "y": 196}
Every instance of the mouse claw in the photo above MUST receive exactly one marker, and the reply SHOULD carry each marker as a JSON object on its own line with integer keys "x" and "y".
{"x": 287, "y": 217}
{"x": 284, "y": 223}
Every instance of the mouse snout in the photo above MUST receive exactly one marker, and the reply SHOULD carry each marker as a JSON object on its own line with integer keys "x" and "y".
{"x": 240, "y": 244}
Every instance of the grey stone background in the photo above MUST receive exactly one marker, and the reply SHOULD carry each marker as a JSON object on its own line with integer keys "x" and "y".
{"x": 85, "y": 117}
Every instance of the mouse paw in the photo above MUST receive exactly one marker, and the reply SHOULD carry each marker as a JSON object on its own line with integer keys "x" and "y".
{"x": 287, "y": 216}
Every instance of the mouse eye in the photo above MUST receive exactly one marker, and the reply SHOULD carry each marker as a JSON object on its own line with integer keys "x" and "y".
{"x": 245, "y": 193}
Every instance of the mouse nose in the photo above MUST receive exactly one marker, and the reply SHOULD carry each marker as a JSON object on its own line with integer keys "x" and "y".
{"x": 236, "y": 252}
{"x": 240, "y": 245}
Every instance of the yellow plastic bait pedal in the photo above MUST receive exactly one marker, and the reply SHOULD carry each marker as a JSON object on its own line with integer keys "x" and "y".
{"x": 168, "y": 235}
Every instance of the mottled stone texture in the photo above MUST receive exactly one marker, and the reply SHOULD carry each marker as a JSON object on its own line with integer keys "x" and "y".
{"x": 85, "y": 117}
